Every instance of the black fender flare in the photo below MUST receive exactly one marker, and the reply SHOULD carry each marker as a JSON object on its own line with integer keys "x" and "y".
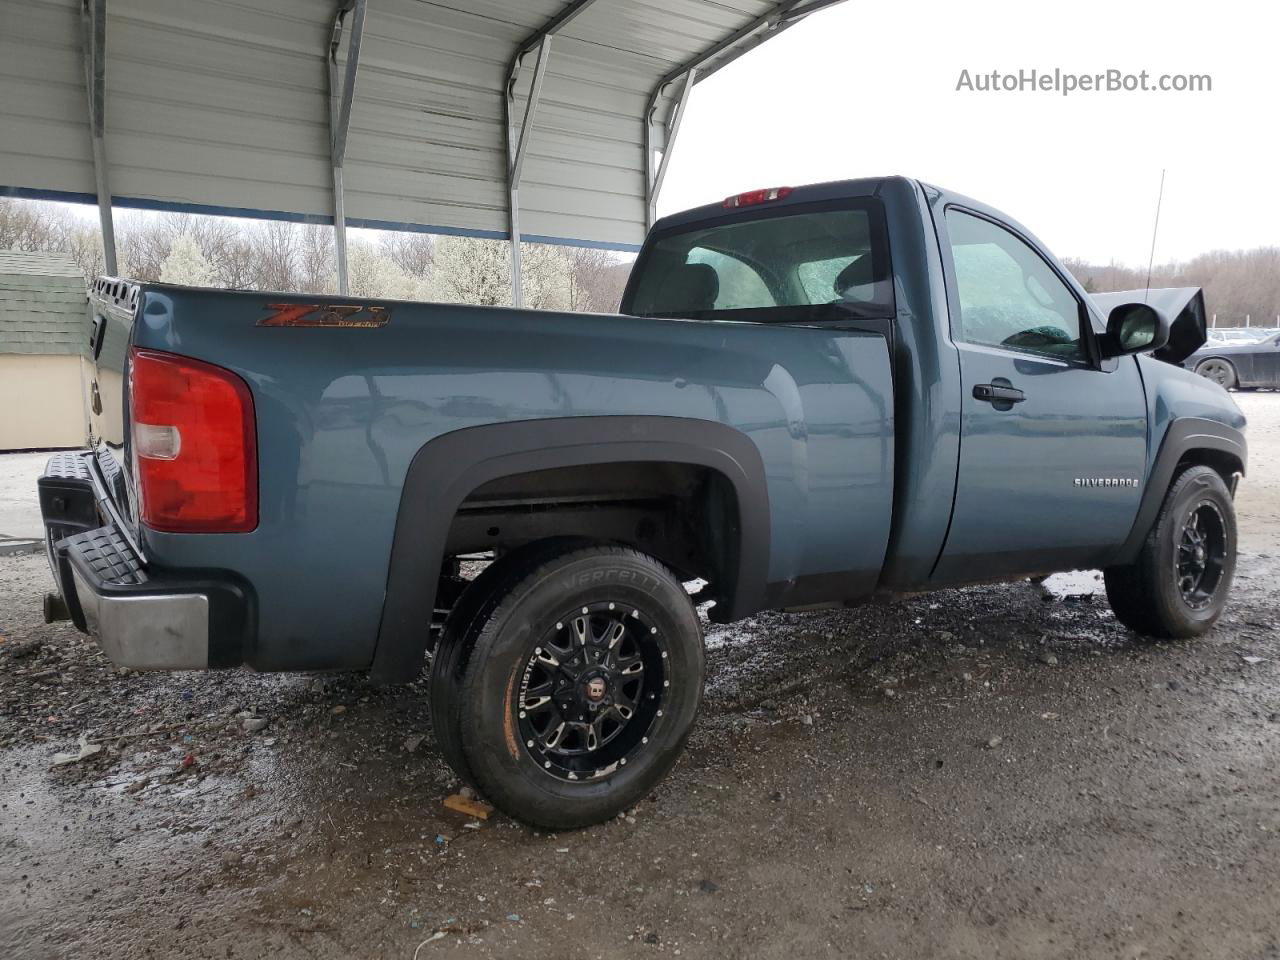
{"x": 1182, "y": 437}
{"x": 451, "y": 466}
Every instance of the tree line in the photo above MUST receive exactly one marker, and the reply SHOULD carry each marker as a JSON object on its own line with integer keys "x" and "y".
{"x": 1238, "y": 284}
{"x": 299, "y": 258}
{"x": 292, "y": 257}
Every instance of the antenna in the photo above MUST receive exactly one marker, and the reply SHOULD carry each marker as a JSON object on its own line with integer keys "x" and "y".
{"x": 1154, "y": 230}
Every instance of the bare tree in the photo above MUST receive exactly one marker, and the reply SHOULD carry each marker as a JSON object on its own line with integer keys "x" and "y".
{"x": 316, "y": 269}
{"x": 411, "y": 252}
{"x": 275, "y": 247}
{"x": 25, "y": 226}
{"x": 596, "y": 279}
{"x": 1238, "y": 284}
{"x": 45, "y": 227}
{"x": 235, "y": 267}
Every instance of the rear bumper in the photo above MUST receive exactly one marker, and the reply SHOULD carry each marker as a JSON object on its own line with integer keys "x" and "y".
{"x": 146, "y": 631}
{"x": 143, "y": 618}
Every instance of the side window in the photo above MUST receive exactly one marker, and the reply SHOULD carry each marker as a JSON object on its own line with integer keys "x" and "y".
{"x": 1009, "y": 297}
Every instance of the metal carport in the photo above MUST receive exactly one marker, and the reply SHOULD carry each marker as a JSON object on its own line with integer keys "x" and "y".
{"x": 539, "y": 120}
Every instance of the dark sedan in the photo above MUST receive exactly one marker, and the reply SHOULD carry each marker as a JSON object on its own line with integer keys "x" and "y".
{"x": 1236, "y": 364}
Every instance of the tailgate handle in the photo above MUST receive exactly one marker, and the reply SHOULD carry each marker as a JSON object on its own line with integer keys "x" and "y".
{"x": 97, "y": 335}
{"x": 998, "y": 393}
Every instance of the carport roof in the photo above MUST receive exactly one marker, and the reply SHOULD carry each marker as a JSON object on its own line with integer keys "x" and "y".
{"x": 42, "y": 304}
{"x": 221, "y": 106}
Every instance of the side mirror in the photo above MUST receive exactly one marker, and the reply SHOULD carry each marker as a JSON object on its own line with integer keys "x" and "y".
{"x": 1134, "y": 328}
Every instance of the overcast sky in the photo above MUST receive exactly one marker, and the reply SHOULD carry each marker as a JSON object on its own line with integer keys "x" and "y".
{"x": 869, "y": 88}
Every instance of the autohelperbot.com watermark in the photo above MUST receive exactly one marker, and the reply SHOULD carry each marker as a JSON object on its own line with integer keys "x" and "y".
{"x": 1066, "y": 82}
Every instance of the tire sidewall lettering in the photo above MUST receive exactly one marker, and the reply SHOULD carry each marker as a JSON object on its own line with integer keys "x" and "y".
{"x": 621, "y": 576}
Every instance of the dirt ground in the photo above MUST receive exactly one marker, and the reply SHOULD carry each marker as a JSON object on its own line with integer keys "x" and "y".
{"x": 997, "y": 771}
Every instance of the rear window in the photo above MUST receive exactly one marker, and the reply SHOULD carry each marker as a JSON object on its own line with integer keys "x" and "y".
{"x": 746, "y": 268}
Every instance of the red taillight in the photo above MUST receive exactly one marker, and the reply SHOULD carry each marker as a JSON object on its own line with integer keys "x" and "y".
{"x": 752, "y": 197}
{"x": 195, "y": 443}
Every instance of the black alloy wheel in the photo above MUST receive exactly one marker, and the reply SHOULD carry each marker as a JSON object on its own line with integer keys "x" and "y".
{"x": 1201, "y": 555}
{"x": 1179, "y": 582}
{"x": 566, "y": 681}
{"x": 592, "y": 689}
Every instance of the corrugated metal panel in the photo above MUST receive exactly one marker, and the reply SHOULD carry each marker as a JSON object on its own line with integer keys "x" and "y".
{"x": 42, "y": 304}
{"x": 223, "y": 103}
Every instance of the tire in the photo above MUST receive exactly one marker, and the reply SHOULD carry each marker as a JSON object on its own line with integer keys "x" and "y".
{"x": 1221, "y": 372}
{"x": 461, "y": 627}
{"x": 556, "y": 703}
{"x": 1161, "y": 594}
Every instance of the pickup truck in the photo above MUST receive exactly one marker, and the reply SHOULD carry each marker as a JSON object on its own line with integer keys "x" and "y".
{"x": 810, "y": 395}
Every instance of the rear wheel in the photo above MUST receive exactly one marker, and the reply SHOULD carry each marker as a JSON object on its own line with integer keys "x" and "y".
{"x": 573, "y": 679}
{"x": 1180, "y": 581}
{"x": 1220, "y": 372}
{"x": 457, "y": 638}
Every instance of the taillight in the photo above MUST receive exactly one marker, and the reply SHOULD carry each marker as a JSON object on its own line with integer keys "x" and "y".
{"x": 752, "y": 197}
{"x": 195, "y": 443}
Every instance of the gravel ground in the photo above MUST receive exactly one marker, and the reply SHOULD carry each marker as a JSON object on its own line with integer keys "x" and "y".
{"x": 981, "y": 772}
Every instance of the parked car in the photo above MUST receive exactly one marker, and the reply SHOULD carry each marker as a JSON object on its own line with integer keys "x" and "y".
{"x": 1241, "y": 364}
{"x": 1240, "y": 334}
{"x": 811, "y": 396}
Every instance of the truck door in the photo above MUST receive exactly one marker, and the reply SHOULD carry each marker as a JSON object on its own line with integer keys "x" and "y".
{"x": 1052, "y": 441}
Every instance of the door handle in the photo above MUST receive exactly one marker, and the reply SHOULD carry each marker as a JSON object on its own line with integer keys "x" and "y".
{"x": 997, "y": 393}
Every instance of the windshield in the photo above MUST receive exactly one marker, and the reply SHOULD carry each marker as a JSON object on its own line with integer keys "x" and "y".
{"x": 758, "y": 264}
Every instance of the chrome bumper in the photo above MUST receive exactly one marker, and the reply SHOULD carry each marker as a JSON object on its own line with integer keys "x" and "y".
{"x": 144, "y": 618}
{"x": 146, "y": 632}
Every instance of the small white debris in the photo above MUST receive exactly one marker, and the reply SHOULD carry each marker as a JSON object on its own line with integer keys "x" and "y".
{"x": 86, "y": 750}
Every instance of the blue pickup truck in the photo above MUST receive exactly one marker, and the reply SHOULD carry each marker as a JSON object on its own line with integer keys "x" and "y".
{"x": 810, "y": 395}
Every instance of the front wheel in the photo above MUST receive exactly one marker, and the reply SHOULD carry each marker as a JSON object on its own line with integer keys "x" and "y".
{"x": 1179, "y": 583}
{"x": 578, "y": 692}
{"x": 1220, "y": 372}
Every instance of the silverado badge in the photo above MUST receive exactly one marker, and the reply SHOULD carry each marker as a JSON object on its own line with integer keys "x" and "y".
{"x": 1105, "y": 482}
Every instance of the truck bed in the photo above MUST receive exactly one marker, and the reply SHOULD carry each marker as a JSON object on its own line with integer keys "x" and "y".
{"x": 343, "y": 411}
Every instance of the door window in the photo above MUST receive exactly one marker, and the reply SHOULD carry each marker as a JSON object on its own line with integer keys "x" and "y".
{"x": 1009, "y": 296}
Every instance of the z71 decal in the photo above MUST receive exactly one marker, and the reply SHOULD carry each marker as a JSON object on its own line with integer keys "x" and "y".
{"x": 325, "y": 315}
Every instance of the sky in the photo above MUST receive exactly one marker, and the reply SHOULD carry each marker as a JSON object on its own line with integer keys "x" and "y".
{"x": 869, "y": 88}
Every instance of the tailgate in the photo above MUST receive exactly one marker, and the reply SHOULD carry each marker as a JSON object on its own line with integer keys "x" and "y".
{"x": 113, "y": 306}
